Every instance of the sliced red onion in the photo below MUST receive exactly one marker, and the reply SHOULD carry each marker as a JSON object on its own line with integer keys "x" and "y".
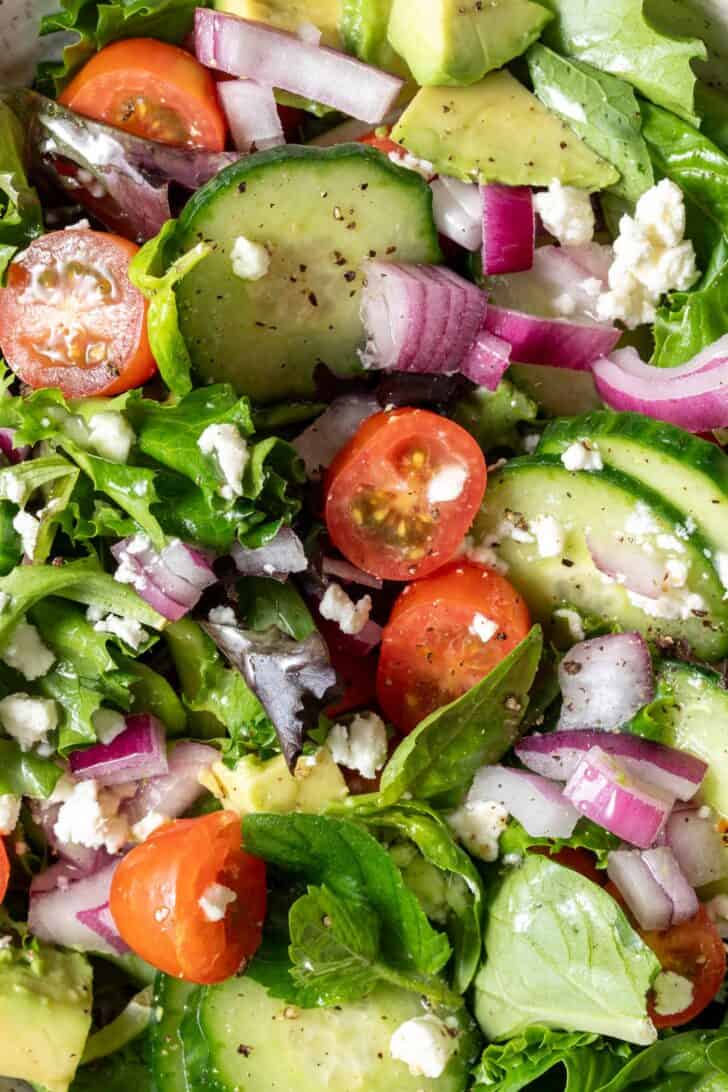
{"x": 562, "y": 344}
{"x": 509, "y": 228}
{"x": 157, "y": 576}
{"x": 138, "y": 752}
{"x": 457, "y": 209}
{"x": 350, "y": 574}
{"x": 7, "y": 446}
{"x": 652, "y": 885}
{"x": 252, "y": 114}
{"x": 188, "y": 563}
{"x": 284, "y": 554}
{"x": 171, "y": 794}
{"x": 487, "y": 361}
{"x": 321, "y": 442}
{"x": 557, "y": 755}
{"x": 65, "y": 872}
{"x": 605, "y": 681}
{"x": 73, "y": 916}
{"x": 83, "y": 858}
{"x": 537, "y": 803}
{"x": 278, "y": 59}
{"x": 627, "y": 562}
{"x": 697, "y": 845}
{"x": 693, "y": 396}
{"x": 309, "y": 32}
{"x": 467, "y": 316}
{"x": 602, "y": 790}
{"x": 665, "y": 870}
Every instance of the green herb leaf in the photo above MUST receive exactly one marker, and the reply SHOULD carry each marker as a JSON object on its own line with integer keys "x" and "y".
{"x": 587, "y": 835}
{"x": 264, "y": 602}
{"x": 588, "y": 1060}
{"x": 21, "y": 217}
{"x": 689, "y": 1062}
{"x": 24, "y": 773}
{"x": 492, "y": 417}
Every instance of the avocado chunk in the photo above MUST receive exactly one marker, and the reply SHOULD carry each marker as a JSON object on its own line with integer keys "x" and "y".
{"x": 497, "y": 131}
{"x": 290, "y": 14}
{"x": 45, "y": 1014}
{"x": 267, "y": 785}
{"x": 451, "y": 42}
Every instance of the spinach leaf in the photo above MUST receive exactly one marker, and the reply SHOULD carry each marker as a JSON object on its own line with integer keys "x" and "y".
{"x": 560, "y": 952}
{"x": 263, "y": 602}
{"x": 25, "y": 773}
{"x": 694, "y": 1061}
{"x": 588, "y": 1061}
{"x": 601, "y": 109}
{"x": 446, "y": 749}
{"x": 620, "y": 38}
{"x": 463, "y": 899}
{"x": 358, "y": 870}
{"x": 492, "y": 417}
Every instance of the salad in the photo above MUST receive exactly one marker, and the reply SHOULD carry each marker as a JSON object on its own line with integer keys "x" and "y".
{"x": 363, "y": 545}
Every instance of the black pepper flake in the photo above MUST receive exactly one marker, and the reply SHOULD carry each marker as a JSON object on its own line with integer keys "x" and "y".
{"x": 563, "y": 144}
{"x": 312, "y": 299}
{"x": 242, "y": 187}
{"x": 390, "y": 250}
{"x": 567, "y": 563}
{"x": 245, "y": 1050}
{"x": 350, "y": 275}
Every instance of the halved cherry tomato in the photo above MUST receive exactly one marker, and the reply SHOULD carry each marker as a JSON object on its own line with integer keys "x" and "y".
{"x": 152, "y": 89}
{"x": 379, "y": 139}
{"x": 402, "y": 493}
{"x": 4, "y": 870}
{"x": 432, "y": 650}
{"x": 156, "y": 892}
{"x": 71, "y": 318}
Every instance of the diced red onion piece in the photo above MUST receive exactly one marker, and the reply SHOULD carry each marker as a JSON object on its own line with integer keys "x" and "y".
{"x": 643, "y": 894}
{"x": 537, "y": 804}
{"x": 627, "y": 562}
{"x": 509, "y": 228}
{"x": 14, "y": 454}
{"x": 437, "y": 313}
{"x": 487, "y": 361}
{"x": 557, "y": 755}
{"x": 665, "y": 870}
{"x": 284, "y": 554}
{"x": 563, "y": 283}
{"x": 321, "y": 441}
{"x": 189, "y": 564}
{"x": 693, "y": 396}
{"x": 138, "y": 752}
{"x": 252, "y": 114}
{"x": 602, "y": 790}
{"x": 556, "y": 342}
{"x": 169, "y": 594}
{"x": 276, "y": 58}
{"x": 83, "y": 858}
{"x": 350, "y": 574}
{"x": 594, "y": 259}
{"x": 64, "y": 872}
{"x": 697, "y": 845}
{"x": 54, "y": 916}
{"x": 605, "y": 681}
{"x": 155, "y": 569}
{"x": 100, "y": 921}
{"x": 469, "y": 316}
{"x": 457, "y": 210}
{"x": 173, "y": 793}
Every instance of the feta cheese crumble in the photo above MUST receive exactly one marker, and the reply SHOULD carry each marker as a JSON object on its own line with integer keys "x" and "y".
{"x": 425, "y": 1045}
{"x": 550, "y": 537}
{"x": 129, "y": 631}
{"x": 651, "y": 257}
{"x": 573, "y": 621}
{"x": 215, "y": 900}
{"x": 250, "y": 261}
{"x": 28, "y": 720}
{"x": 222, "y": 616}
{"x": 28, "y": 527}
{"x": 230, "y": 451}
{"x": 108, "y": 724}
{"x": 483, "y": 553}
{"x": 447, "y": 484}
{"x": 9, "y": 812}
{"x": 582, "y": 456}
{"x": 146, "y": 826}
{"x": 361, "y": 745}
{"x": 90, "y": 817}
{"x": 111, "y": 436}
{"x": 336, "y": 606}
{"x": 673, "y": 993}
{"x": 27, "y": 653}
{"x": 483, "y": 628}
{"x": 479, "y": 824}
{"x": 567, "y": 213}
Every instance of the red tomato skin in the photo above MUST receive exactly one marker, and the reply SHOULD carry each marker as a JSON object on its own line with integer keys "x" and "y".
{"x": 155, "y": 897}
{"x": 4, "y": 870}
{"x": 122, "y": 322}
{"x": 369, "y": 458}
{"x": 423, "y": 663}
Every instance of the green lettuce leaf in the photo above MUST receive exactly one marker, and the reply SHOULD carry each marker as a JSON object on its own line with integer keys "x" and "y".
{"x": 588, "y": 1061}
{"x": 264, "y": 602}
{"x": 442, "y": 755}
{"x": 11, "y": 548}
{"x": 151, "y": 693}
{"x": 619, "y": 38}
{"x": 587, "y": 835}
{"x": 25, "y": 773}
{"x": 77, "y": 705}
{"x": 561, "y": 953}
{"x": 694, "y": 1061}
{"x": 492, "y": 417}
{"x": 21, "y": 216}
{"x": 704, "y": 19}
{"x": 601, "y": 109}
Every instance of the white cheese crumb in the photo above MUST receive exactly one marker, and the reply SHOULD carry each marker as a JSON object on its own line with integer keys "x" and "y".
{"x": 13, "y": 487}
{"x": 9, "y": 812}
{"x": 28, "y": 720}
{"x": 215, "y": 900}
{"x": 482, "y": 553}
{"x": 567, "y": 213}
{"x": 447, "y": 484}
{"x": 676, "y": 604}
{"x": 222, "y": 616}
{"x": 425, "y": 1045}
{"x": 250, "y": 261}
{"x": 108, "y": 724}
{"x": 582, "y": 456}
{"x": 483, "y": 628}
{"x": 230, "y": 450}
{"x": 549, "y": 534}
{"x": 422, "y": 167}
{"x": 673, "y": 993}
{"x": 89, "y": 817}
{"x": 336, "y": 606}
{"x": 146, "y": 826}
{"x": 531, "y": 442}
{"x": 721, "y": 564}
{"x": 676, "y": 573}
{"x": 28, "y": 527}
{"x": 111, "y": 435}
{"x": 574, "y": 622}
{"x": 479, "y": 825}
{"x": 517, "y": 531}
{"x": 361, "y": 745}
{"x": 641, "y": 522}
{"x": 27, "y": 653}
{"x": 132, "y": 633}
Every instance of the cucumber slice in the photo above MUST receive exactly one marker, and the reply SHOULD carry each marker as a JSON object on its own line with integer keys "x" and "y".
{"x": 599, "y": 503}
{"x": 692, "y": 472}
{"x": 320, "y": 212}
{"x": 166, "y": 1044}
{"x": 255, "y": 1043}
